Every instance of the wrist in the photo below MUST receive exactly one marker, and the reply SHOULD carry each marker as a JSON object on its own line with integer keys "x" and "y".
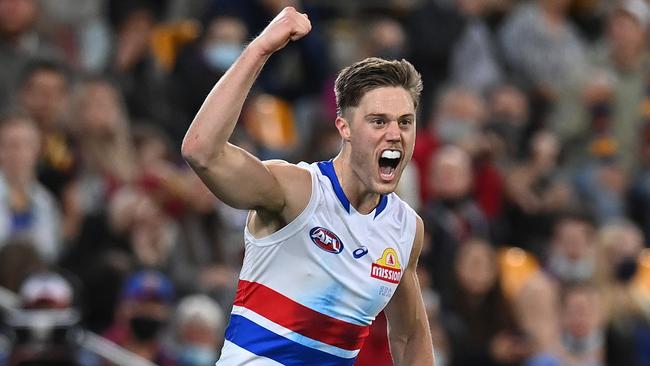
{"x": 258, "y": 50}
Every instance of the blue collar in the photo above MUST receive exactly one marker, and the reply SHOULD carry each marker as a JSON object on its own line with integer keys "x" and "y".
{"x": 327, "y": 168}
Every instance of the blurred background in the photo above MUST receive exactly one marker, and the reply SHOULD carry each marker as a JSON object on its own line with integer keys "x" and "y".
{"x": 531, "y": 172}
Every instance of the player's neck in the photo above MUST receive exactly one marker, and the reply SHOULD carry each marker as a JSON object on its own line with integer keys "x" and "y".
{"x": 360, "y": 196}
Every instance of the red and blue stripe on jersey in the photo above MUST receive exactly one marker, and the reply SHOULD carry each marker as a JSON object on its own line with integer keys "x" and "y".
{"x": 307, "y": 337}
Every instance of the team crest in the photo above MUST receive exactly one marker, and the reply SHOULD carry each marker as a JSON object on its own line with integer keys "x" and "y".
{"x": 326, "y": 240}
{"x": 387, "y": 268}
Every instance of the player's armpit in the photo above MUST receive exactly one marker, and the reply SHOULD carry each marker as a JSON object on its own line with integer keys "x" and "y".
{"x": 409, "y": 334}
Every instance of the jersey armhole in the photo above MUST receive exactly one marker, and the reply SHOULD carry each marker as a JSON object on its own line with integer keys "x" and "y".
{"x": 296, "y": 224}
{"x": 412, "y": 222}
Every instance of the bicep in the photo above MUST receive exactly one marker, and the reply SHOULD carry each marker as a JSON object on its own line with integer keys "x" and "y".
{"x": 241, "y": 180}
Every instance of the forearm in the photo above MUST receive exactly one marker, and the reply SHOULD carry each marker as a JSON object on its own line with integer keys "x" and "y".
{"x": 413, "y": 350}
{"x": 216, "y": 119}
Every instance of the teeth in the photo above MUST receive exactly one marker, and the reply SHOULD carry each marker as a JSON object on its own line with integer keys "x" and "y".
{"x": 391, "y": 154}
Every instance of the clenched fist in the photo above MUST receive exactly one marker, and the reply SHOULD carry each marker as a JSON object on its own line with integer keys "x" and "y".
{"x": 288, "y": 25}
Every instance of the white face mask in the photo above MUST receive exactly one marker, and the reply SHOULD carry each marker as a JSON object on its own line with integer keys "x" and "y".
{"x": 220, "y": 56}
{"x": 197, "y": 356}
{"x": 582, "y": 345}
{"x": 452, "y": 130}
{"x": 571, "y": 271}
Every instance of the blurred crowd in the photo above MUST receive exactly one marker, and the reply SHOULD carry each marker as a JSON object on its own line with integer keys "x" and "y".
{"x": 531, "y": 170}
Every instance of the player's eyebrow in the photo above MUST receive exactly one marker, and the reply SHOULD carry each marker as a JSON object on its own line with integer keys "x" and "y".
{"x": 384, "y": 115}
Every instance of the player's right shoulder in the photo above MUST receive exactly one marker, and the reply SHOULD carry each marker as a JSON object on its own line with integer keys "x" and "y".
{"x": 283, "y": 170}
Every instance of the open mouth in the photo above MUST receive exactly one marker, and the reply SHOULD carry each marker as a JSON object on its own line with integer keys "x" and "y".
{"x": 388, "y": 162}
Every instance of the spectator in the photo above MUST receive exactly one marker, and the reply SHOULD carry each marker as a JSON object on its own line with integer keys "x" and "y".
{"x": 452, "y": 216}
{"x": 201, "y": 262}
{"x": 144, "y": 310}
{"x": 132, "y": 65}
{"x": 541, "y": 47}
{"x": 458, "y": 119}
{"x": 615, "y": 88}
{"x": 144, "y": 227}
{"x": 80, "y": 29}
{"x": 302, "y": 68}
{"x": 572, "y": 251}
{"x": 27, "y": 208}
{"x": 601, "y": 183}
{"x": 45, "y": 95}
{"x": 507, "y": 123}
{"x": 498, "y": 148}
{"x": 474, "y": 57}
{"x": 199, "y": 324}
{"x": 158, "y": 171}
{"x": 45, "y": 324}
{"x": 203, "y": 62}
{"x": 582, "y": 330}
{"x": 480, "y": 322}
{"x": 582, "y": 323}
{"x": 535, "y": 193}
{"x": 103, "y": 130}
{"x": 537, "y": 306}
{"x": 628, "y": 321}
{"x": 625, "y": 58}
{"x": 133, "y": 231}
{"x": 19, "y": 41}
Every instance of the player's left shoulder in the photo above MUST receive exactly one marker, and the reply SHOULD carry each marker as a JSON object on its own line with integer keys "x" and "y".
{"x": 400, "y": 208}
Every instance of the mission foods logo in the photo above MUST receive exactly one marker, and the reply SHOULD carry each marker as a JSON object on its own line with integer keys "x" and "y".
{"x": 326, "y": 240}
{"x": 387, "y": 268}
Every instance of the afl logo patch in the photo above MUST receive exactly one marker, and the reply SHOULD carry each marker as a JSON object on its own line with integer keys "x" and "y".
{"x": 326, "y": 240}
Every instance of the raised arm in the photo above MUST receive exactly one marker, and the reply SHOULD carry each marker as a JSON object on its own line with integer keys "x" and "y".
{"x": 409, "y": 334}
{"x": 236, "y": 177}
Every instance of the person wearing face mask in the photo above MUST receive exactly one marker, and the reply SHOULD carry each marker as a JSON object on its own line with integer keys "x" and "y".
{"x": 572, "y": 255}
{"x": 458, "y": 119}
{"x": 199, "y": 321}
{"x": 223, "y": 43}
{"x": 627, "y": 305}
{"x": 452, "y": 216}
{"x": 582, "y": 341}
{"x": 206, "y": 60}
{"x": 142, "y": 314}
{"x": 582, "y": 329}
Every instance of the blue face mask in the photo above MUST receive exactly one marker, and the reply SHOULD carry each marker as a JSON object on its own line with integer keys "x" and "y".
{"x": 197, "y": 356}
{"x": 220, "y": 56}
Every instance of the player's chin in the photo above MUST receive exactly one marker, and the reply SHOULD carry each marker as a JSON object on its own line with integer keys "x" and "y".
{"x": 383, "y": 186}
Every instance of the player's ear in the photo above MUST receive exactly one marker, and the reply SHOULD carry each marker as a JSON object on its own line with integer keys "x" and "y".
{"x": 343, "y": 126}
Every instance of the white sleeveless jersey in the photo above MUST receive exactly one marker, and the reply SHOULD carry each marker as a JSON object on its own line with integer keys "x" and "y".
{"x": 308, "y": 292}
